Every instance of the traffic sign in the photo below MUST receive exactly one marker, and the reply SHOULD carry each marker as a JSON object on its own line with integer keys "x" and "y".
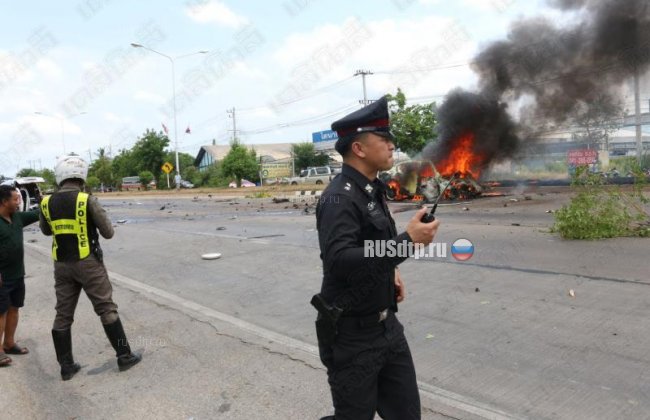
{"x": 167, "y": 167}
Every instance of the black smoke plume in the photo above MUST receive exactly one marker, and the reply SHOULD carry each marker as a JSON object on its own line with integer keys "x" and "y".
{"x": 557, "y": 71}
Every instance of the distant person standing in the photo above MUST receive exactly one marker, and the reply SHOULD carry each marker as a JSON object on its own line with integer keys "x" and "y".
{"x": 12, "y": 269}
{"x": 74, "y": 219}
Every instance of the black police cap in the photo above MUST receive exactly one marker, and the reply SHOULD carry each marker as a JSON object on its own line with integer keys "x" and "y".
{"x": 372, "y": 118}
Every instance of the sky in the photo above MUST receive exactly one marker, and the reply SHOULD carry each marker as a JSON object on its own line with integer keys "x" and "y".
{"x": 70, "y": 81}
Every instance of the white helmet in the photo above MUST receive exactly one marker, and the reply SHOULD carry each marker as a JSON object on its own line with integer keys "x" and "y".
{"x": 70, "y": 167}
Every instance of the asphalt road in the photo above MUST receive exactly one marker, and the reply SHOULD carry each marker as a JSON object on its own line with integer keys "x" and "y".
{"x": 501, "y": 330}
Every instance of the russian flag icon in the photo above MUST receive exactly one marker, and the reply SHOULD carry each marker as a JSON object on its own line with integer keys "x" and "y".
{"x": 462, "y": 249}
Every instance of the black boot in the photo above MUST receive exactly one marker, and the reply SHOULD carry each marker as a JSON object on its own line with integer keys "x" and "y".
{"x": 63, "y": 347}
{"x": 115, "y": 334}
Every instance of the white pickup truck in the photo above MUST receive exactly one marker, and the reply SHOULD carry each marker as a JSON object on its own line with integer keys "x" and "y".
{"x": 316, "y": 175}
{"x": 29, "y": 190}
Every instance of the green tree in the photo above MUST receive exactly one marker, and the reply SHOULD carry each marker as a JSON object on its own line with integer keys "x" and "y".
{"x": 305, "y": 155}
{"x": 413, "y": 125}
{"x": 46, "y": 174}
{"x": 213, "y": 176}
{"x": 93, "y": 182}
{"x": 193, "y": 175}
{"x": 239, "y": 163}
{"x": 49, "y": 177}
{"x": 145, "y": 178}
{"x": 124, "y": 164}
{"x": 149, "y": 152}
{"x": 26, "y": 172}
{"x": 597, "y": 120}
{"x": 102, "y": 168}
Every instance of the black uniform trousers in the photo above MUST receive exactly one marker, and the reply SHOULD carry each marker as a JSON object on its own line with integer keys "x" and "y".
{"x": 370, "y": 369}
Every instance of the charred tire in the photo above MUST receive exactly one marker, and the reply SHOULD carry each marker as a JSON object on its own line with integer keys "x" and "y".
{"x": 390, "y": 194}
{"x": 294, "y": 183}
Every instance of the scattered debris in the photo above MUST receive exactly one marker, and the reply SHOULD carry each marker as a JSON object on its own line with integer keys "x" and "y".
{"x": 485, "y": 302}
{"x": 550, "y": 211}
{"x": 429, "y": 336}
{"x": 31, "y": 241}
{"x": 514, "y": 200}
{"x": 477, "y": 290}
{"x": 465, "y": 208}
{"x": 211, "y": 256}
{"x": 221, "y": 228}
{"x": 572, "y": 293}
{"x": 528, "y": 198}
{"x": 162, "y": 208}
{"x": 233, "y": 217}
{"x": 280, "y": 200}
{"x": 121, "y": 221}
{"x": 515, "y": 224}
{"x": 505, "y": 204}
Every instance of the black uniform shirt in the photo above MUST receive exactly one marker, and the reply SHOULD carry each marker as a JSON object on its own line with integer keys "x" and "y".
{"x": 353, "y": 209}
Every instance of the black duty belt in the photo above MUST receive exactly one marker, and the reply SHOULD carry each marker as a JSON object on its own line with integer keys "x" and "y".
{"x": 371, "y": 320}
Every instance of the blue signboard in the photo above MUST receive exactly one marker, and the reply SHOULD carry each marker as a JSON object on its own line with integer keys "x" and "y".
{"x": 327, "y": 135}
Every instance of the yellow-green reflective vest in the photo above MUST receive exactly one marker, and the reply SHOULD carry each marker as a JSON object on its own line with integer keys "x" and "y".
{"x": 77, "y": 226}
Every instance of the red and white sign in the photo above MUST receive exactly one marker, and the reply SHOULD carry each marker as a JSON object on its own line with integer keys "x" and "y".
{"x": 582, "y": 157}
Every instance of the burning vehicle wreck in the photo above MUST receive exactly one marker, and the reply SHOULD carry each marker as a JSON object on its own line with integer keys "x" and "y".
{"x": 418, "y": 180}
{"x": 421, "y": 180}
{"x": 474, "y": 132}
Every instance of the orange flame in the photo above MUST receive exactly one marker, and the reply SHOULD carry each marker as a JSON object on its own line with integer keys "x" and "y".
{"x": 396, "y": 190}
{"x": 462, "y": 159}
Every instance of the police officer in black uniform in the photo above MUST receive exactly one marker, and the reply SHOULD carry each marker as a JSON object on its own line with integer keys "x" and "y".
{"x": 361, "y": 342}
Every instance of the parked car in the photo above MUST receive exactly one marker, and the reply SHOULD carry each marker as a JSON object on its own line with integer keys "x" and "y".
{"x": 244, "y": 183}
{"x": 186, "y": 184}
{"x": 317, "y": 175}
{"x": 277, "y": 181}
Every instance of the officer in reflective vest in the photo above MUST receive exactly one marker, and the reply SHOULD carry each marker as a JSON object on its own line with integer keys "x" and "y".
{"x": 75, "y": 219}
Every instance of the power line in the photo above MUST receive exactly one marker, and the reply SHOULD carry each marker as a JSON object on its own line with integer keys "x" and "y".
{"x": 299, "y": 122}
{"x": 313, "y": 93}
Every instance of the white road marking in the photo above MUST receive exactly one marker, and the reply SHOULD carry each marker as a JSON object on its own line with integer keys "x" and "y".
{"x": 434, "y": 393}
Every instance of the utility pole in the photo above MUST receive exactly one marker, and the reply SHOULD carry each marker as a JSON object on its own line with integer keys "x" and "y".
{"x": 637, "y": 112}
{"x": 363, "y": 74}
{"x": 233, "y": 115}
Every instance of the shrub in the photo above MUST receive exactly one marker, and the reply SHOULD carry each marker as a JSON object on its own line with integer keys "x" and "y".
{"x": 598, "y": 211}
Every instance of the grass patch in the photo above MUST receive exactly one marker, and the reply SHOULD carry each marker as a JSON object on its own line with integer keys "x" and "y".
{"x": 260, "y": 194}
{"x": 600, "y": 211}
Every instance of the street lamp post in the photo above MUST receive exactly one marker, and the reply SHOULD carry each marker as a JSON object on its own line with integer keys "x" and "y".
{"x": 171, "y": 59}
{"x": 62, "y": 121}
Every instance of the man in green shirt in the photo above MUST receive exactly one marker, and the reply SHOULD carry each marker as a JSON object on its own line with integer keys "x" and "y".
{"x": 12, "y": 269}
